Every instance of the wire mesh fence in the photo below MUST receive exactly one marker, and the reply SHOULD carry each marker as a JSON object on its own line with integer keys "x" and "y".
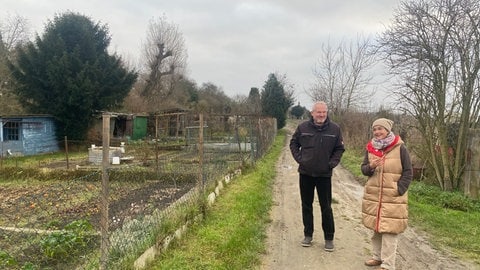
{"x": 105, "y": 212}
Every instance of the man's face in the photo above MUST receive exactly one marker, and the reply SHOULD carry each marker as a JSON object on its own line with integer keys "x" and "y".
{"x": 319, "y": 113}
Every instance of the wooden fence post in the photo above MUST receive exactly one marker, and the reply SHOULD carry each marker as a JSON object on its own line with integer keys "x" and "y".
{"x": 200, "y": 152}
{"x": 471, "y": 176}
{"x": 105, "y": 191}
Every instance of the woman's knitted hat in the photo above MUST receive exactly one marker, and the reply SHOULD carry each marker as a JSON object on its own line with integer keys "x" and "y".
{"x": 384, "y": 122}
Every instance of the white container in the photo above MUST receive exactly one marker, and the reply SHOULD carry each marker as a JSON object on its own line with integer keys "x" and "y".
{"x": 115, "y": 160}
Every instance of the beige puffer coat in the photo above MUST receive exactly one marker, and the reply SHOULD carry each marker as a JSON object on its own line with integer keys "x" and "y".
{"x": 383, "y": 209}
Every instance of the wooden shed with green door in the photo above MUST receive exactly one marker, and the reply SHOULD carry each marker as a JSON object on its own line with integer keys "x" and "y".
{"x": 130, "y": 126}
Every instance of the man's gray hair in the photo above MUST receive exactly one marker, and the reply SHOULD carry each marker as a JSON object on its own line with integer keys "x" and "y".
{"x": 319, "y": 103}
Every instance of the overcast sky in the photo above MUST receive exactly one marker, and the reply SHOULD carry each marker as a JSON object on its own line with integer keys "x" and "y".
{"x": 233, "y": 44}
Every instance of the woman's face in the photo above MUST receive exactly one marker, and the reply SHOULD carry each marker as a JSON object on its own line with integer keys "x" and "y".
{"x": 379, "y": 132}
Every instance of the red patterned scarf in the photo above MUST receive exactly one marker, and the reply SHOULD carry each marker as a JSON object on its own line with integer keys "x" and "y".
{"x": 380, "y": 146}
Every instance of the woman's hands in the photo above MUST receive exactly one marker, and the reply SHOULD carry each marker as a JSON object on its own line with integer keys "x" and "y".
{"x": 376, "y": 162}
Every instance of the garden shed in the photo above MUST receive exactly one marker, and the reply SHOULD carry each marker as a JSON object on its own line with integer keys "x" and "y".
{"x": 123, "y": 127}
{"x": 22, "y": 135}
{"x": 133, "y": 126}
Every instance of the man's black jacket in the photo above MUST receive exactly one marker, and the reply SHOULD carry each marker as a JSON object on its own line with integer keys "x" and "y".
{"x": 317, "y": 149}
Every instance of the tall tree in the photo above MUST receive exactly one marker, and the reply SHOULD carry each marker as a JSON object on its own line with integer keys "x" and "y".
{"x": 288, "y": 87}
{"x": 246, "y": 105}
{"x": 342, "y": 76}
{"x": 14, "y": 31}
{"x": 298, "y": 111}
{"x": 275, "y": 102}
{"x": 165, "y": 59}
{"x": 254, "y": 101}
{"x": 433, "y": 46}
{"x": 212, "y": 99}
{"x": 69, "y": 74}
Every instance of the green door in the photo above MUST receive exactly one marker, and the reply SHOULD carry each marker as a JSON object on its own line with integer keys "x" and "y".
{"x": 139, "y": 127}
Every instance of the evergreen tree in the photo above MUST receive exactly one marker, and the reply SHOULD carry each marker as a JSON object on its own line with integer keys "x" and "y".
{"x": 274, "y": 101}
{"x": 298, "y": 111}
{"x": 69, "y": 74}
{"x": 253, "y": 101}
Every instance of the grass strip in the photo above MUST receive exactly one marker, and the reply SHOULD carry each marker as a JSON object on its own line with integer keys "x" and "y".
{"x": 456, "y": 230}
{"x": 233, "y": 233}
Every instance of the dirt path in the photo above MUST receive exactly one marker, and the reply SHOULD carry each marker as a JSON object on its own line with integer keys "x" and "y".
{"x": 352, "y": 239}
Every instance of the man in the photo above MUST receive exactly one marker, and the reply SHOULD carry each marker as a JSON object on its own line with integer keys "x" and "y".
{"x": 317, "y": 146}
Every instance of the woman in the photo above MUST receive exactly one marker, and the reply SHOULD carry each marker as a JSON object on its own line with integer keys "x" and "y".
{"x": 385, "y": 201}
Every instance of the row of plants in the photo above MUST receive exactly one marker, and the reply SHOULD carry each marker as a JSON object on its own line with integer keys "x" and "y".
{"x": 40, "y": 202}
{"x": 60, "y": 249}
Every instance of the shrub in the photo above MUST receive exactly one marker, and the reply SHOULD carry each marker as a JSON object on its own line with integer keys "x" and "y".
{"x": 430, "y": 194}
{"x": 62, "y": 245}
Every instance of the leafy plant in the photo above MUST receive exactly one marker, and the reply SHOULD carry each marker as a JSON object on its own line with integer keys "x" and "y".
{"x": 74, "y": 238}
{"x": 30, "y": 266}
{"x": 6, "y": 259}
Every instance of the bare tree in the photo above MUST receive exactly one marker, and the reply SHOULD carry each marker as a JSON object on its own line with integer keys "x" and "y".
{"x": 342, "y": 76}
{"x": 14, "y": 31}
{"x": 433, "y": 47}
{"x": 165, "y": 59}
{"x": 288, "y": 87}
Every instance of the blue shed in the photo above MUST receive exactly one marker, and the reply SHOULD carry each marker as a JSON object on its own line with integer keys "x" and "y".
{"x": 24, "y": 135}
